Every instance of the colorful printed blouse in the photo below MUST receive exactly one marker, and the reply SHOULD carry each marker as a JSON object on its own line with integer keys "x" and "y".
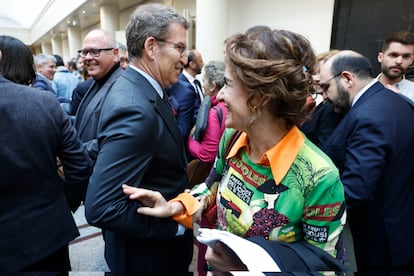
{"x": 294, "y": 192}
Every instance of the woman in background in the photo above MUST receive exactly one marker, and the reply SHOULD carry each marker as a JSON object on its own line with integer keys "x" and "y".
{"x": 213, "y": 81}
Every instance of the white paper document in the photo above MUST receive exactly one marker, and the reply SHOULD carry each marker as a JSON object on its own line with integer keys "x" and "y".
{"x": 251, "y": 254}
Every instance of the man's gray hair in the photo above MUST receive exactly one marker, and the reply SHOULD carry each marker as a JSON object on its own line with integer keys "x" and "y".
{"x": 150, "y": 20}
{"x": 41, "y": 59}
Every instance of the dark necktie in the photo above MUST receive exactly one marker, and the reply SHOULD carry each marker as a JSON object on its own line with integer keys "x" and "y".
{"x": 167, "y": 102}
{"x": 198, "y": 89}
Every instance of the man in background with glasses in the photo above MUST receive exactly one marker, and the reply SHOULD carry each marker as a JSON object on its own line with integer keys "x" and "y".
{"x": 140, "y": 144}
{"x": 373, "y": 148}
{"x": 123, "y": 56}
{"x": 99, "y": 53}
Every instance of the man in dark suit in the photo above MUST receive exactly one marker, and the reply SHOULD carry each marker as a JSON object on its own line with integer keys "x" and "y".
{"x": 36, "y": 224}
{"x": 100, "y": 55}
{"x": 373, "y": 147}
{"x": 140, "y": 144}
{"x": 187, "y": 94}
{"x": 323, "y": 122}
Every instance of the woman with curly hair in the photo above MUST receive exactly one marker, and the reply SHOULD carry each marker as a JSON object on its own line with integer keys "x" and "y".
{"x": 269, "y": 180}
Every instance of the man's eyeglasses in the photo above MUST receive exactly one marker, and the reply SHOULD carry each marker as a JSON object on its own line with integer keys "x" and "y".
{"x": 325, "y": 86}
{"x": 181, "y": 48}
{"x": 94, "y": 52}
{"x": 124, "y": 60}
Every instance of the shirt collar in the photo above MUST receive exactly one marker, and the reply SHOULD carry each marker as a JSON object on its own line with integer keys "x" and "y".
{"x": 150, "y": 79}
{"x": 280, "y": 157}
{"x": 189, "y": 77}
{"x": 363, "y": 90}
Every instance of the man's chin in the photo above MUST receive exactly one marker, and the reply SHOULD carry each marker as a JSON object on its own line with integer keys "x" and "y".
{"x": 396, "y": 74}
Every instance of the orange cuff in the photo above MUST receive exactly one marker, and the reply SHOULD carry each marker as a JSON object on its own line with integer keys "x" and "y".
{"x": 191, "y": 206}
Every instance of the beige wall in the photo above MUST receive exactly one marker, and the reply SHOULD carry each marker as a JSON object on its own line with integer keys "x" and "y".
{"x": 311, "y": 18}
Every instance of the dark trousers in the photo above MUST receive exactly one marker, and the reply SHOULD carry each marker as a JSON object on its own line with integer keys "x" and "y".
{"x": 57, "y": 263}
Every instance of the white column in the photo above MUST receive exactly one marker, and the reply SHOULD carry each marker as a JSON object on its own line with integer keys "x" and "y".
{"x": 74, "y": 42}
{"x": 65, "y": 48}
{"x": 211, "y": 31}
{"x": 47, "y": 48}
{"x": 109, "y": 18}
{"x": 56, "y": 44}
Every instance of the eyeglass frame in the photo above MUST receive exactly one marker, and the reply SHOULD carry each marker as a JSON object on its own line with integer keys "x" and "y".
{"x": 93, "y": 49}
{"x": 325, "y": 86}
{"x": 179, "y": 47}
{"x": 124, "y": 60}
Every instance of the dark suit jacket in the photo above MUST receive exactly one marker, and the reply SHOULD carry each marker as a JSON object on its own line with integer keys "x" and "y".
{"x": 185, "y": 102}
{"x": 139, "y": 144}
{"x": 324, "y": 121}
{"x": 78, "y": 94}
{"x": 373, "y": 147}
{"x": 43, "y": 83}
{"x": 35, "y": 214}
{"x": 89, "y": 110}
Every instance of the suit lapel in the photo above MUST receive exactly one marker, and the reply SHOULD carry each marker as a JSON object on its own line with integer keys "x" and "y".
{"x": 375, "y": 88}
{"x": 161, "y": 106}
{"x": 87, "y": 114}
{"x": 96, "y": 100}
{"x": 165, "y": 110}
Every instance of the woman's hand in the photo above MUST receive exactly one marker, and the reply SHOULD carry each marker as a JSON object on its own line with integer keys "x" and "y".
{"x": 222, "y": 258}
{"x": 155, "y": 204}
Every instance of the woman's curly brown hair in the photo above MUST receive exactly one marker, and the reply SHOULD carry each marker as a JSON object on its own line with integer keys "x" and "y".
{"x": 276, "y": 64}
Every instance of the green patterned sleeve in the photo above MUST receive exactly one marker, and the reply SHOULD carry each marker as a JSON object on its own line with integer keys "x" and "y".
{"x": 324, "y": 214}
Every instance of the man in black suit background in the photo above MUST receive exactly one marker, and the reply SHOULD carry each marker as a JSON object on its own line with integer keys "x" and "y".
{"x": 140, "y": 144}
{"x": 36, "y": 224}
{"x": 100, "y": 56}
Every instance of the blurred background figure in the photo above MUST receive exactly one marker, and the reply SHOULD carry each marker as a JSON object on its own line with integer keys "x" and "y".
{"x": 123, "y": 56}
{"x": 203, "y": 148}
{"x": 323, "y": 119}
{"x": 45, "y": 71}
{"x": 213, "y": 81}
{"x": 72, "y": 66}
{"x": 64, "y": 83}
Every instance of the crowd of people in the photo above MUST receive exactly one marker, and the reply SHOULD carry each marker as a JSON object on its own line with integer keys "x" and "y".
{"x": 297, "y": 146}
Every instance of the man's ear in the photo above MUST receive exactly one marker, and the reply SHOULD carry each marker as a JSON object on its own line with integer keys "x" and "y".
{"x": 149, "y": 46}
{"x": 212, "y": 86}
{"x": 192, "y": 64}
{"x": 349, "y": 78}
{"x": 1, "y": 55}
{"x": 116, "y": 54}
{"x": 380, "y": 57}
